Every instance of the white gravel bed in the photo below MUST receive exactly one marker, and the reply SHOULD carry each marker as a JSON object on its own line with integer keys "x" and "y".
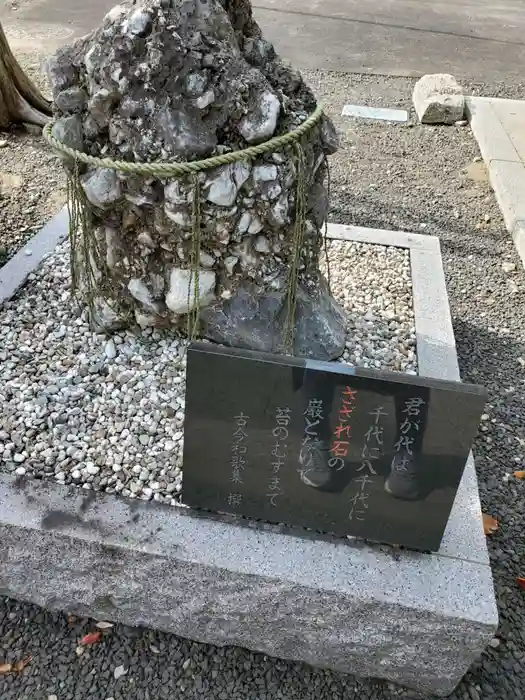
{"x": 373, "y": 284}
{"x": 107, "y": 414}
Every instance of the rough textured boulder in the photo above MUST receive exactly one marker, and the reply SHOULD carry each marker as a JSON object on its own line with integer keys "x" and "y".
{"x": 180, "y": 80}
{"x": 438, "y": 99}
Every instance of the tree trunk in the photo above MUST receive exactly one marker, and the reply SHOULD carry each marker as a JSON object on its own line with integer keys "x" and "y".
{"x": 20, "y": 100}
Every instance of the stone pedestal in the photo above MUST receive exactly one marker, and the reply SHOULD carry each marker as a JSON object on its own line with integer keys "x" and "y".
{"x": 414, "y": 618}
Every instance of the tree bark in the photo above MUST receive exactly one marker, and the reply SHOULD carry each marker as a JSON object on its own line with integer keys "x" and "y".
{"x": 20, "y": 99}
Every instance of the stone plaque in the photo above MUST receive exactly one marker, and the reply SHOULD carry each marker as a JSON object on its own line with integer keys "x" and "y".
{"x": 336, "y": 449}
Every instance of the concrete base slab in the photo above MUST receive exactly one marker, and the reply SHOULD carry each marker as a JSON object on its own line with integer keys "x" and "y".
{"x": 414, "y": 618}
{"x": 498, "y": 126}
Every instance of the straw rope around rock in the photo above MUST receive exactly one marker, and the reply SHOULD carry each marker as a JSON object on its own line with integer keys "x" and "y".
{"x": 168, "y": 170}
{"x": 84, "y": 249}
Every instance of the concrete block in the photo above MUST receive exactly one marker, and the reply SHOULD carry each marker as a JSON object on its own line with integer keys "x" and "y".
{"x": 518, "y": 236}
{"x": 508, "y": 182}
{"x": 461, "y": 540}
{"x": 438, "y": 99}
{"x": 397, "y": 239}
{"x": 436, "y": 346}
{"x": 493, "y": 140}
{"x": 511, "y": 114}
{"x": 418, "y": 619}
{"x": 497, "y": 125}
{"x": 379, "y": 113}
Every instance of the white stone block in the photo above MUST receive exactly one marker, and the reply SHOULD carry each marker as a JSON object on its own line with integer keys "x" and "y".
{"x": 438, "y": 99}
{"x": 180, "y": 298}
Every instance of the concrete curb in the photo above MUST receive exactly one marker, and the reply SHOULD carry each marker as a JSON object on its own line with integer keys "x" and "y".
{"x": 16, "y": 271}
{"x": 505, "y": 167}
{"x": 415, "y": 618}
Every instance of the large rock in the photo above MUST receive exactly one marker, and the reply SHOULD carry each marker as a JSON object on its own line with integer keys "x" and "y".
{"x": 179, "y": 80}
{"x": 256, "y": 319}
{"x": 438, "y": 99}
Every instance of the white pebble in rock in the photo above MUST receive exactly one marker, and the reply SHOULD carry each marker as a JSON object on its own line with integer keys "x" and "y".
{"x": 260, "y": 124}
{"x": 264, "y": 173}
{"x": 20, "y": 471}
{"x": 19, "y": 457}
{"x": 180, "y": 298}
{"x": 102, "y": 187}
{"x": 229, "y": 263}
{"x": 139, "y": 22}
{"x": 110, "y": 350}
{"x": 262, "y": 244}
{"x": 222, "y": 187}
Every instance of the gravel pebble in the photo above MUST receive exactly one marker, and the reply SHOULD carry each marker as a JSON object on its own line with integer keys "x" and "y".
{"x": 119, "y": 672}
{"x": 75, "y": 410}
{"x": 508, "y": 266}
{"x": 373, "y": 284}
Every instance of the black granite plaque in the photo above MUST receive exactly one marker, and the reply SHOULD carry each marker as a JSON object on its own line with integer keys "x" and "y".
{"x": 341, "y": 450}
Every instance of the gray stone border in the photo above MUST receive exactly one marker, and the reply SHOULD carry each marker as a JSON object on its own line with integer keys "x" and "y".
{"x": 505, "y": 167}
{"x": 414, "y": 618}
{"x": 16, "y": 271}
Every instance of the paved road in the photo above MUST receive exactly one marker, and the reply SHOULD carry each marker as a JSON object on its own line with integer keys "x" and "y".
{"x": 482, "y": 40}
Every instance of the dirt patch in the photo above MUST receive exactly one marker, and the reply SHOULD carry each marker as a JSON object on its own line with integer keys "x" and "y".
{"x": 477, "y": 171}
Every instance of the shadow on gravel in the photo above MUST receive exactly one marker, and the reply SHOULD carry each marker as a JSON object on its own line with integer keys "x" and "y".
{"x": 489, "y": 359}
{"x": 486, "y": 356}
{"x": 448, "y": 228}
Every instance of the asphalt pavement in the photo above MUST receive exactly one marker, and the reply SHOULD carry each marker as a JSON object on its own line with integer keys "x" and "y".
{"x": 478, "y": 40}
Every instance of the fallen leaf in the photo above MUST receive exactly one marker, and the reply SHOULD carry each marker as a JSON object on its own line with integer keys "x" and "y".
{"x": 521, "y": 583}
{"x": 20, "y": 665}
{"x": 91, "y": 638}
{"x": 490, "y": 524}
{"x": 102, "y": 625}
{"x": 6, "y": 668}
{"x": 519, "y": 475}
{"x": 79, "y": 651}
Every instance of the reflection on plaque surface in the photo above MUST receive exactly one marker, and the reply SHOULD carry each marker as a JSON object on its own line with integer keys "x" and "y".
{"x": 342, "y": 450}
